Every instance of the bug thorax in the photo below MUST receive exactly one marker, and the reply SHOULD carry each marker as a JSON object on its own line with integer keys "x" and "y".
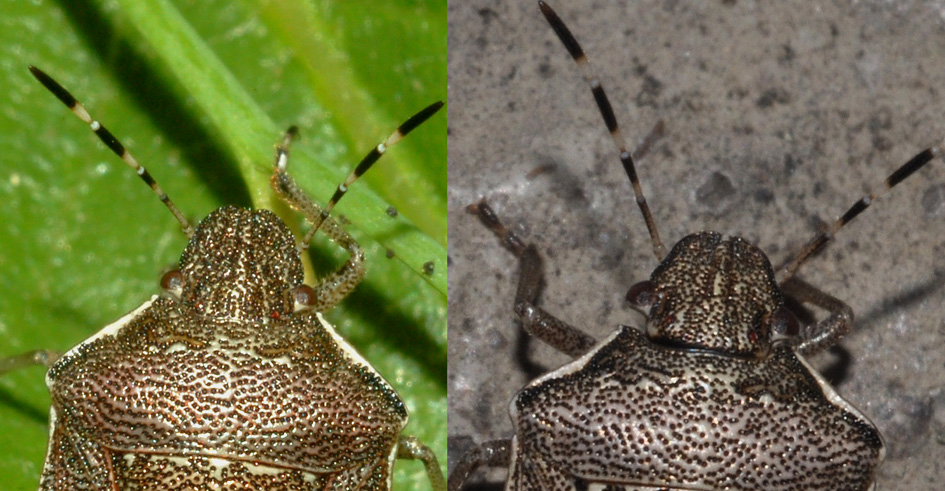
{"x": 240, "y": 265}
{"x": 714, "y": 293}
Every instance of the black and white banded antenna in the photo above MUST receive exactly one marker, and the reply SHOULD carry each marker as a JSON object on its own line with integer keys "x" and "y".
{"x": 790, "y": 267}
{"x": 610, "y": 119}
{"x": 112, "y": 143}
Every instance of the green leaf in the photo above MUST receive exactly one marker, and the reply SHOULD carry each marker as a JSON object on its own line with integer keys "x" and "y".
{"x": 200, "y": 92}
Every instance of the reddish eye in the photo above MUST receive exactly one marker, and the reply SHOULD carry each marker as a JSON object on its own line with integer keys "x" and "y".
{"x": 172, "y": 281}
{"x": 304, "y": 297}
{"x": 642, "y": 295}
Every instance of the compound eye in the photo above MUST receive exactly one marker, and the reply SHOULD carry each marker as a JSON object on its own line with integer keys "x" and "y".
{"x": 784, "y": 326}
{"x": 304, "y": 296}
{"x": 173, "y": 282}
{"x": 642, "y": 295}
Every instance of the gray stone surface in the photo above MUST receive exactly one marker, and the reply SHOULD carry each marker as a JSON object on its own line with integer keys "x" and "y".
{"x": 777, "y": 116}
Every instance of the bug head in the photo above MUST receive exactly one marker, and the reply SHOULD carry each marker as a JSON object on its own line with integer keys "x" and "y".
{"x": 239, "y": 265}
{"x": 715, "y": 293}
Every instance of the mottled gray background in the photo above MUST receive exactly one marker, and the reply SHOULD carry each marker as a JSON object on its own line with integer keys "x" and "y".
{"x": 778, "y": 115}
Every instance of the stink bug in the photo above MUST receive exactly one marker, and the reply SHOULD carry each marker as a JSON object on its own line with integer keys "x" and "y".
{"x": 72, "y": 266}
{"x": 232, "y": 378}
{"x": 735, "y": 178}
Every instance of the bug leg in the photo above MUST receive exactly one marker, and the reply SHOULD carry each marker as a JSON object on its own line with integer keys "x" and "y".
{"x": 332, "y": 289}
{"x": 412, "y": 449}
{"x": 496, "y": 453}
{"x": 336, "y": 286}
{"x": 38, "y": 357}
{"x": 827, "y": 332}
{"x": 539, "y": 323}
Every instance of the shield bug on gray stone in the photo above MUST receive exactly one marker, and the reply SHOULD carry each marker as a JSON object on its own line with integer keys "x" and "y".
{"x": 567, "y": 281}
{"x": 232, "y": 378}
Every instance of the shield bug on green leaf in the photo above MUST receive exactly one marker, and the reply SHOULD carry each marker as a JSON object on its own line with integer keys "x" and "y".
{"x": 561, "y": 418}
{"x": 72, "y": 265}
{"x": 232, "y": 378}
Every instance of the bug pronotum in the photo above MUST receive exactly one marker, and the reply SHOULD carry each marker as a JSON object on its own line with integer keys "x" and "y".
{"x": 773, "y": 121}
{"x": 65, "y": 237}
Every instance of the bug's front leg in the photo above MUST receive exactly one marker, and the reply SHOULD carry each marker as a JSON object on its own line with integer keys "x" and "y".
{"x": 827, "y": 332}
{"x": 336, "y": 286}
{"x": 536, "y": 321}
{"x": 495, "y": 453}
{"x": 410, "y": 448}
